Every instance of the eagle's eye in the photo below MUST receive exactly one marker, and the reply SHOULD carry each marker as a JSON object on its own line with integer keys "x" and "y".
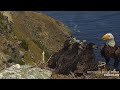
{"x": 108, "y": 35}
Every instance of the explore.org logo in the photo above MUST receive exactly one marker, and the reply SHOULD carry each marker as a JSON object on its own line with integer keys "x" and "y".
{"x": 112, "y": 73}
{"x": 106, "y": 73}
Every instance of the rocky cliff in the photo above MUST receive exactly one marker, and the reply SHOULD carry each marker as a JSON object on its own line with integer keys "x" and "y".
{"x": 24, "y": 35}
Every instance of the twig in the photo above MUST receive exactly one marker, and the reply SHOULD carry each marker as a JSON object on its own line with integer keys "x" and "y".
{"x": 49, "y": 59}
{"x": 73, "y": 75}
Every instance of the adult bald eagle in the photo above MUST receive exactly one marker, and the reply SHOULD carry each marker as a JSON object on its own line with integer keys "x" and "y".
{"x": 110, "y": 50}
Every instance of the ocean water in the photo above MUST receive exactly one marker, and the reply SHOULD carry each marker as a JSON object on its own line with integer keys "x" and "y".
{"x": 90, "y": 25}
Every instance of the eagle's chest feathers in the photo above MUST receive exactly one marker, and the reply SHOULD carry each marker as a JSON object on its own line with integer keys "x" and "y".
{"x": 110, "y": 51}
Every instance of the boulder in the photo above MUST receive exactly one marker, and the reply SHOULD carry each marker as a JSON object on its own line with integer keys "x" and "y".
{"x": 24, "y": 72}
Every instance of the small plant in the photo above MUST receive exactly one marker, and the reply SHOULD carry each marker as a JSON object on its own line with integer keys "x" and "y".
{"x": 24, "y": 45}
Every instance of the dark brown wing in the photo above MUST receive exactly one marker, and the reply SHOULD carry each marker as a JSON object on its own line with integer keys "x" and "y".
{"x": 117, "y": 53}
{"x": 66, "y": 63}
{"x": 102, "y": 51}
{"x": 107, "y": 51}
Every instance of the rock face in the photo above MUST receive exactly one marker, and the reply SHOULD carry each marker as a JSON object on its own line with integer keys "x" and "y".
{"x": 75, "y": 57}
{"x": 24, "y": 72}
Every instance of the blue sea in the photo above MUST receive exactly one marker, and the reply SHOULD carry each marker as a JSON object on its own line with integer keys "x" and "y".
{"x": 90, "y": 25}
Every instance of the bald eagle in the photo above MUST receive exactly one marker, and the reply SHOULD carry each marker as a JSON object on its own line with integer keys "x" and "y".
{"x": 110, "y": 50}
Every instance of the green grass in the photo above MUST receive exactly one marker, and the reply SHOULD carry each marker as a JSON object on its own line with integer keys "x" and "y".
{"x": 47, "y": 51}
{"x": 38, "y": 27}
{"x": 24, "y": 45}
{"x": 27, "y": 43}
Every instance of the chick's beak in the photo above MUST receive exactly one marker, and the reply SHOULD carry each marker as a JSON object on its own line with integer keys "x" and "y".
{"x": 105, "y": 37}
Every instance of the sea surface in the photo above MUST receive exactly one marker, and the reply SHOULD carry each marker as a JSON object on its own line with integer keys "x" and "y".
{"x": 90, "y": 25}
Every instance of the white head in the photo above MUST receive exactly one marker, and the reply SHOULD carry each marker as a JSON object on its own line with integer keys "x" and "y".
{"x": 110, "y": 39}
{"x": 108, "y": 36}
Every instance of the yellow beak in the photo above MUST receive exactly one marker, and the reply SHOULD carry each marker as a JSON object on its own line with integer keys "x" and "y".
{"x": 105, "y": 37}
